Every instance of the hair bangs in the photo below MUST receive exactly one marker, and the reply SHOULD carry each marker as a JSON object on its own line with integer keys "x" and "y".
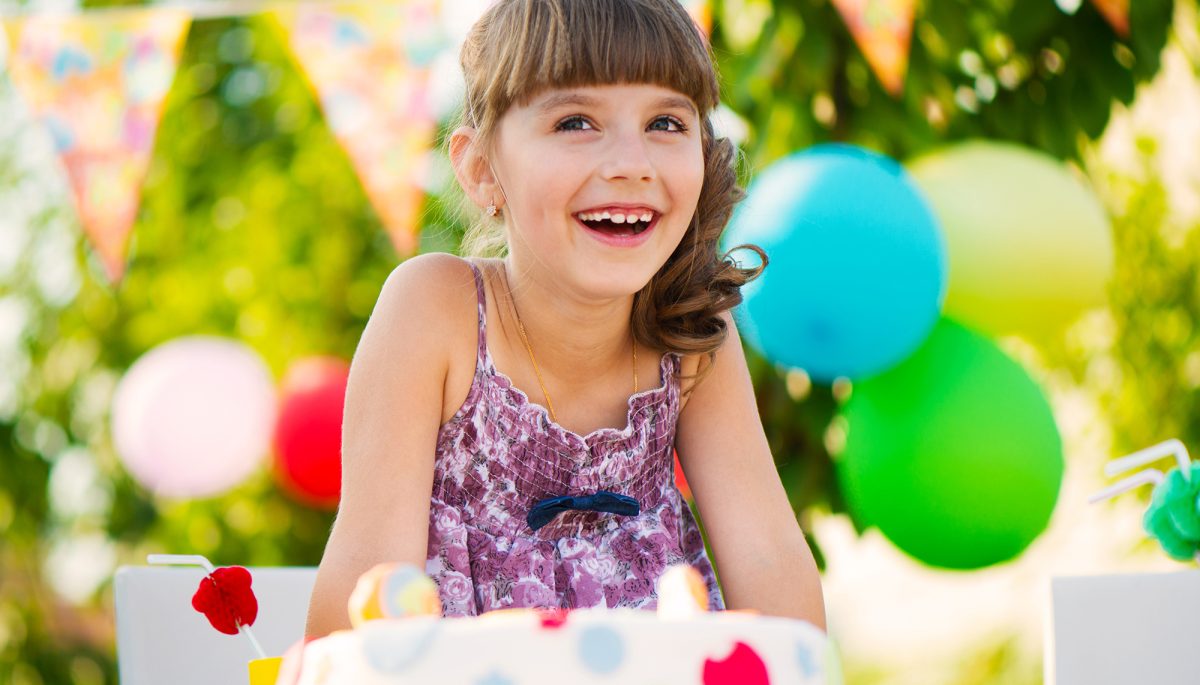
{"x": 551, "y": 44}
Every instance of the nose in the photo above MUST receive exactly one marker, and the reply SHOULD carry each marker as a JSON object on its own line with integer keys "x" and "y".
{"x": 627, "y": 157}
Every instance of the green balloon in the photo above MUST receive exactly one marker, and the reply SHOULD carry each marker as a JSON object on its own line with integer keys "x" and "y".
{"x": 954, "y": 454}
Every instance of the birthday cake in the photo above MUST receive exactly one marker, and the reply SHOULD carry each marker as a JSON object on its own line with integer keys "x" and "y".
{"x": 397, "y": 640}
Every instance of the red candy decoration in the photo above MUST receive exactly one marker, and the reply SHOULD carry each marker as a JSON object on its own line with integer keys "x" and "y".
{"x": 742, "y": 667}
{"x": 552, "y": 619}
{"x": 226, "y": 600}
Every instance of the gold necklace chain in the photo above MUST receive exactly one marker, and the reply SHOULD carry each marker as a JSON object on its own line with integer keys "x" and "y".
{"x": 536, "y": 371}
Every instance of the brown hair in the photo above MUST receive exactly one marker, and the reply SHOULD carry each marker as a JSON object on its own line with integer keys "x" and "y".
{"x": 520, "y": 48}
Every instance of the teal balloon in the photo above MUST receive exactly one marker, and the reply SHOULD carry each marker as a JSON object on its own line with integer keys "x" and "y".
{"x": 954, "y": 454}
{"x": 857, "y": 264}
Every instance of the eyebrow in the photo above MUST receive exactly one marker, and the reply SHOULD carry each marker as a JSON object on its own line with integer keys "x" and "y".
{"x": 561, "y": 99}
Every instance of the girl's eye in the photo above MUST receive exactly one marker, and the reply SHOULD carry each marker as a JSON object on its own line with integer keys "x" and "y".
{"x": 573, "y": 123}
{"x": 679, "y": 125}
{"x": 579, "y": 123}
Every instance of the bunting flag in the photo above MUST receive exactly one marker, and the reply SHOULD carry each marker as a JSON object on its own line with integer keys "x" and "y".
{"x": 97, "y": 83}
{"x": 368, "y": 64}
{"x": 1116, "y": 13}
{"x": 701, "y": 11}
{"x": 3, "y": 48}
{"x": 883, "y": 30}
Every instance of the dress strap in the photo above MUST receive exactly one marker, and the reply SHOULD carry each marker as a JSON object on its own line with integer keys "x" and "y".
{"x": 481, "y": 298}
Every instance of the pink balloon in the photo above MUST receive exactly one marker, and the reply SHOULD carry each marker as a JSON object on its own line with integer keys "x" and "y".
{"x": 193, "y": 416}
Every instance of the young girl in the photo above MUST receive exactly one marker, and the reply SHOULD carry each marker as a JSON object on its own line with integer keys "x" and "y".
{"x": 490, "y": 432}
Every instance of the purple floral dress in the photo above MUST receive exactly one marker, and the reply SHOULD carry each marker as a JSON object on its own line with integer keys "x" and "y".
{"x": 500, "y": 454}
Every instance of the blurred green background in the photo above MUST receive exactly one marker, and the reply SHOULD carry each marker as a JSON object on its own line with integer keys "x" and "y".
{"x": 254, "y": 226}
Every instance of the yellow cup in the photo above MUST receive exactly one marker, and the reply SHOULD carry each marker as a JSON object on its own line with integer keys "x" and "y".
{"x": 265, "y": 671}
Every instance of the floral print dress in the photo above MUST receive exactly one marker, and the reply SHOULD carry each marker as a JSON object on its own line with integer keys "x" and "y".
{"x": 500, "y": 455}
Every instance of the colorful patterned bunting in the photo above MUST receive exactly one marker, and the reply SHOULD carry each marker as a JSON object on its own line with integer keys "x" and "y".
{"x": 701, "y": 11}
{"x": 883, "y": 30}
{"x": 1116, "y": 13}
{"x": 368, "y": 65}
{"x": 4, "y": 28}
{"x": 97, "y": 83}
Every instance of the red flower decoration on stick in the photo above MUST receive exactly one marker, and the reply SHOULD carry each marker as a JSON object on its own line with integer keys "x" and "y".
{"x": 226, "y": 600}
{"x": 224, "y": 595}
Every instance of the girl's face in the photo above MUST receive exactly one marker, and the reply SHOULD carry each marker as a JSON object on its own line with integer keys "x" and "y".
{"x": 573, "y": 163}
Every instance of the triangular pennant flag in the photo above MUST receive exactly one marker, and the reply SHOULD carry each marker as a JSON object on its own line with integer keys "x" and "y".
{"x": 883, "y": 30}
{"x": 701, "y": 11}
{"x": 1116, "y": 13}
{"x": 368, "y": 64}
{"x": 4, "y": 29}
{"x": 97, "y": 83}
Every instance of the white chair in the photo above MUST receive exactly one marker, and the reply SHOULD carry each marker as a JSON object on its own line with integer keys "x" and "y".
{"x": 1124, "y": 629}
{"x": 162, "y": 639}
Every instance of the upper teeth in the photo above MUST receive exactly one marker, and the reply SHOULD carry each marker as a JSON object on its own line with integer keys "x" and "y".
{"x": 616, "y": 217}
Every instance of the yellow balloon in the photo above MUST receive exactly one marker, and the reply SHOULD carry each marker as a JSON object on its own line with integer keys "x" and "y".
{"x": 1029, "y": 245}
{"x": 364, "y": 604}
{"x": 391, "y": 590}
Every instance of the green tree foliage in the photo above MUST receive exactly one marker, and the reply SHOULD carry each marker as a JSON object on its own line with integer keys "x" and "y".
{"x": 1019, "y": 70}
{"x": 254, "y": 226}
{"x": 1141, "y": 359}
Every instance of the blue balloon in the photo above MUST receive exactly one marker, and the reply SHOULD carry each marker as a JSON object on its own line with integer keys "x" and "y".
{"x": 857, "y": 263}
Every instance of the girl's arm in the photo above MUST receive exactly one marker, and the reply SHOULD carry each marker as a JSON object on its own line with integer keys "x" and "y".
{"x": 393, "y": 409}
{"x": 761, "y": 555}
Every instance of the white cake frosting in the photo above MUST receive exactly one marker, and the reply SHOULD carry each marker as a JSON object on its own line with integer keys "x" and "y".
{"x": 399, "y": 637}
{"x": 524, "y": 647}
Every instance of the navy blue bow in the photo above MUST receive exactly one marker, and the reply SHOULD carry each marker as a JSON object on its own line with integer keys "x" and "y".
{"x": 544, "y": 511}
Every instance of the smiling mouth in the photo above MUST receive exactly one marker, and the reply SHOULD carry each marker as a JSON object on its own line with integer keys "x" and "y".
{"x": 617, "y": 224}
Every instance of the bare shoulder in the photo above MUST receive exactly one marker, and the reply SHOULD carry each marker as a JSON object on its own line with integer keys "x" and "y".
{"x": 422, "y": 326}
{"x": 429, "y": 297}
{"x": 399, "y": 372}
{"x": 436, "y": 297}
{"x": 430, "y": 282}
{"x": 393, "y": 407}
{"x": 405, "y": 343}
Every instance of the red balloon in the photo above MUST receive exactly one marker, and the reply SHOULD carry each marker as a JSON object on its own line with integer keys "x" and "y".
{"x": 681, "y": 480}
{"x": 308, "y": 435}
